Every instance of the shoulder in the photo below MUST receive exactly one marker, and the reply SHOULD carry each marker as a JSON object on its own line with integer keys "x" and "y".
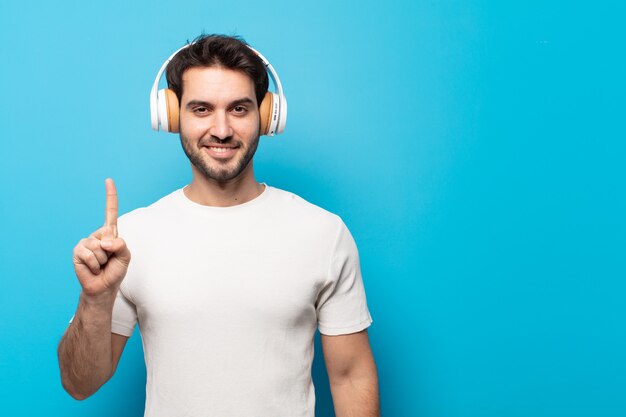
{"x": 293, "y": 207}
{"x": 139, "y": 217}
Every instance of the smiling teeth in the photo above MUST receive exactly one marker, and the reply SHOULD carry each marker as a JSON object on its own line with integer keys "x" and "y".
{"x": 219, "y": 150}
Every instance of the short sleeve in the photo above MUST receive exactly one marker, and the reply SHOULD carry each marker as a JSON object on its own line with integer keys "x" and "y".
{"x": 124, "y": 316}
{"x": 341, "y": 304}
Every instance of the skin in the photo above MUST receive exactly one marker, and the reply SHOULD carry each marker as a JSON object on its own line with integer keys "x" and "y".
{"x": 218, "y": 110}
{"x": 352, "y": 374}
{"x": 88, "y": 352}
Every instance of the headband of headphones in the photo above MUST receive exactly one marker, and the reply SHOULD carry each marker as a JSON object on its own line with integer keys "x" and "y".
{"x": 164, "y": 106}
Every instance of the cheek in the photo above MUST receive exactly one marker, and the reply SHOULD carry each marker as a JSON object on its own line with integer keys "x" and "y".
{"x": 191, "y": 127}
{"x": 249, "y": 126}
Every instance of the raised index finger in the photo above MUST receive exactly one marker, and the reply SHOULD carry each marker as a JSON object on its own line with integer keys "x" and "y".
{"x": 110, "y": 213}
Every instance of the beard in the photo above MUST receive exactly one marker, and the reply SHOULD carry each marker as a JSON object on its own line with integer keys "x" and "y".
{"x": 220, "y": 171}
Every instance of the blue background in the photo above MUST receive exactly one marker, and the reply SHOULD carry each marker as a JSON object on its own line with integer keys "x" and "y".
{"x": 474, "y": 148}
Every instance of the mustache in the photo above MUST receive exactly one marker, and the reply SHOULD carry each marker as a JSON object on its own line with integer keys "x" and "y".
{"x": 215, "y": 141}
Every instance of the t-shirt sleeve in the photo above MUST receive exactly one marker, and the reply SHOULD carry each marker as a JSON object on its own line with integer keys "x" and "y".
{"x": 341, "y": 304}
{"x": 124, "y": 316}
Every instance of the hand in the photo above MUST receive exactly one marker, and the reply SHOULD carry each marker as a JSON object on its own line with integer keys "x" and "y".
{"x": 102, "y": 259}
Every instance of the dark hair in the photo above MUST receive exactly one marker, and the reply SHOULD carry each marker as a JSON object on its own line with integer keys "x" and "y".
{"x": 229, "y": 52}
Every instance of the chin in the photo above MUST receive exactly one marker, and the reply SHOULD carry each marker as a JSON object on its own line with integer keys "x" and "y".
{"x": 222, "y": 173}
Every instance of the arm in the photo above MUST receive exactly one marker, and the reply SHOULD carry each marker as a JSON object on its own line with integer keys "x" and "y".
{"x": 352, "y": 375}
{"x": 88, "y": 352}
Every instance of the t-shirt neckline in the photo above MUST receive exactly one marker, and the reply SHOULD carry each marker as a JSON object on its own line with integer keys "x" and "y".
{"x": 180, "y": 195}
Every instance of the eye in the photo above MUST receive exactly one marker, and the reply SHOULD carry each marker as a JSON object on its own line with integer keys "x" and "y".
{"x": 240, "y": 110}
{"x": 200, "y": 111}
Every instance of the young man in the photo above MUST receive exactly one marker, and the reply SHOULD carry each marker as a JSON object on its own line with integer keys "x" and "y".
{"x": 229, "y": 277}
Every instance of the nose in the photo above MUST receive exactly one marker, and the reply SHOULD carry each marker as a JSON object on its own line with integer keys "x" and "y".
{"x": 220, "y": 126}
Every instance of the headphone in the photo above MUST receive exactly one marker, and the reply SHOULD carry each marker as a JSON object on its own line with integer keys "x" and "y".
{"x": 164, "y": 106}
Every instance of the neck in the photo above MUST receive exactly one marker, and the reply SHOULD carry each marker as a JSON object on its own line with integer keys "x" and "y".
{"x": 210, "y": 192}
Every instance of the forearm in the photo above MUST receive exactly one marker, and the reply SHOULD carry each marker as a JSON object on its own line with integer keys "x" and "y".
{"x": 85, "y": 357}
{"x": 356, "y": 396}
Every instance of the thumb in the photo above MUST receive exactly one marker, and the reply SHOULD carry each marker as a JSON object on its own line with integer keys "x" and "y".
{"x": 118, "y": 247}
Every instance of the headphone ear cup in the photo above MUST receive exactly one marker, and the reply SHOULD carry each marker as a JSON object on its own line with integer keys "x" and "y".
{"x": 167, "y": 109}
{"x": 173, "y": 116}
{"x": 265, "y": 112}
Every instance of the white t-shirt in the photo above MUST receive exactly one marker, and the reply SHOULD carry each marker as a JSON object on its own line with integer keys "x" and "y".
{"x": 228, "y": 300}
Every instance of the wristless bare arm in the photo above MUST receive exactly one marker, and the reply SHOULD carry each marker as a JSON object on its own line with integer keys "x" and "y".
{"x": 352, "y": 374}
{"x": 88, "y": 352}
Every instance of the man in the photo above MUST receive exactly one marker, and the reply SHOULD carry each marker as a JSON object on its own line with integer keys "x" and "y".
{"x": 229, "y": 277}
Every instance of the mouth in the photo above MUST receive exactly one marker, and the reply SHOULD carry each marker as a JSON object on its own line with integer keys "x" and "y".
{"x": 220, "y": 151}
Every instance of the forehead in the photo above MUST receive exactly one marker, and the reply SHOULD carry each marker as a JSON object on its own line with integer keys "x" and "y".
{"x": 216, "y": 84}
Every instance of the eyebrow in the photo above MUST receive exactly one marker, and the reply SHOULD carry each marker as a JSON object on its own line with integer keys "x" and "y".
{"x": 238, "y": 102}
